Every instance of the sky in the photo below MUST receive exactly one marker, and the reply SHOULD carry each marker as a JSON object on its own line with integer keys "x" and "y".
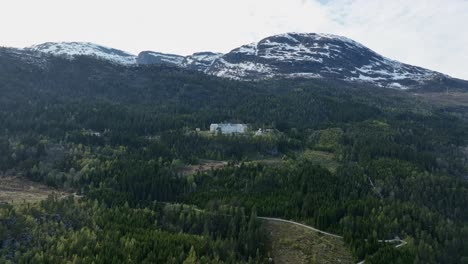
{"x": 427, "y": 33}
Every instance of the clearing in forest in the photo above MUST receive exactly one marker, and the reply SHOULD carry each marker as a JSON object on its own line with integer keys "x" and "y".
{"x": 204, "y": 165}
{"x": 17, "y": 190}
{"x": 322, "y": 158}
{"x": 291, "y": 243}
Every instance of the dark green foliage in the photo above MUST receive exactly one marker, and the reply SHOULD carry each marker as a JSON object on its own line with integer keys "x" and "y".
{"x": 118, "y": 135}
{"x": 90, "y": 232}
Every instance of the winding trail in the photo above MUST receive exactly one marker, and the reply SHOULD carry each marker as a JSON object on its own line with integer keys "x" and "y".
{"x": 401, "y": 242}
{"x": 302, "y": 225}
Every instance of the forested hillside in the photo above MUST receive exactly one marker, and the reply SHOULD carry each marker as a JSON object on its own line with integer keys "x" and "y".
{"x": 117, "y": 137}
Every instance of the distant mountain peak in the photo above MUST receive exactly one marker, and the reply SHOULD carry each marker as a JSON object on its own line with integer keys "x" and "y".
{"x": 313, "y": 55}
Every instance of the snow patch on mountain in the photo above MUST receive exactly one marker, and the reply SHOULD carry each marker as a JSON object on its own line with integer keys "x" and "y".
{"x": 72, "y": 49}
{"x": 201, "y": 61}
{"x": 290, "y": 55}
{"x": 28, "y": 57}
{"x": 295, "y": 55}
{"x": 305, "y": 75}
{"x": 242, "y": 71}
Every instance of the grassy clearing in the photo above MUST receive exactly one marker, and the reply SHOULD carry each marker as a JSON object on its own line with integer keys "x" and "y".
{"x": 204, "y": 165}
{"x": 267, "y": 161}
{"x": 16, "y": 190}
{"x": 206, "y": 133}
{"x": 325, "y": 159}
{"x": 294, "y": 244}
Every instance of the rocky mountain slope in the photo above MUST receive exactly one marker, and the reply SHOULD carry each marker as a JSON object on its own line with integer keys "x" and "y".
{"x": 291, "y": 55}
{"x": 199, "y": 61}
{"x": 151, "y": 57}
{"x": 317, "y": 56}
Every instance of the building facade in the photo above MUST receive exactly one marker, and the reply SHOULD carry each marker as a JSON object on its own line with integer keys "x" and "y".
{"x": 228, "y": 128}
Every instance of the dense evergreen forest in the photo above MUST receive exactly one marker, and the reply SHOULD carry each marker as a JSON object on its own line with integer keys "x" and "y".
{"x": 117, "y": 138}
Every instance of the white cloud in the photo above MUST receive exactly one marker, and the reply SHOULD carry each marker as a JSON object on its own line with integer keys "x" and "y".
{"x": 427, "y": 33}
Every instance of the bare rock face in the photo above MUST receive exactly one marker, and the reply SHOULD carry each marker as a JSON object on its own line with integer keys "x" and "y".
{"x": 151, "y": 57}
{"x": 201, "y": 61}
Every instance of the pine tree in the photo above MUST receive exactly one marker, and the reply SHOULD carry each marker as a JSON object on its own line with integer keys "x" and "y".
{"x": 192, "y": 257}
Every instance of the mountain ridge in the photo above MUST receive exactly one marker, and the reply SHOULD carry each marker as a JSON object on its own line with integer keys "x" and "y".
{"x": 73, "y": 49}
{"x": 289, "y": 55}
{"x": 311, "y": 55}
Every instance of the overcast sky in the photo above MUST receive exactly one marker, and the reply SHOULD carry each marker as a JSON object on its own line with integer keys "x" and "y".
{"x": 428, "y": 33}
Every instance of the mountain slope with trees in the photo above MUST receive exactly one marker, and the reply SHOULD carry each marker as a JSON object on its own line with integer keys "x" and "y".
{"x": 117, "y": 137}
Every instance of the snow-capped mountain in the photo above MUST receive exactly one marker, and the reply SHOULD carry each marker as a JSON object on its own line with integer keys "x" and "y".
{"x": 317, "y": 56}
{"x": 73, "y": 49}
{"x": 291, "y": 55}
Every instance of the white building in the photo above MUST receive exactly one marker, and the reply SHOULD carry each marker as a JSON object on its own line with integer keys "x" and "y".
{"x": 228, "y": 128}
{"x": 259, "y": 132}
